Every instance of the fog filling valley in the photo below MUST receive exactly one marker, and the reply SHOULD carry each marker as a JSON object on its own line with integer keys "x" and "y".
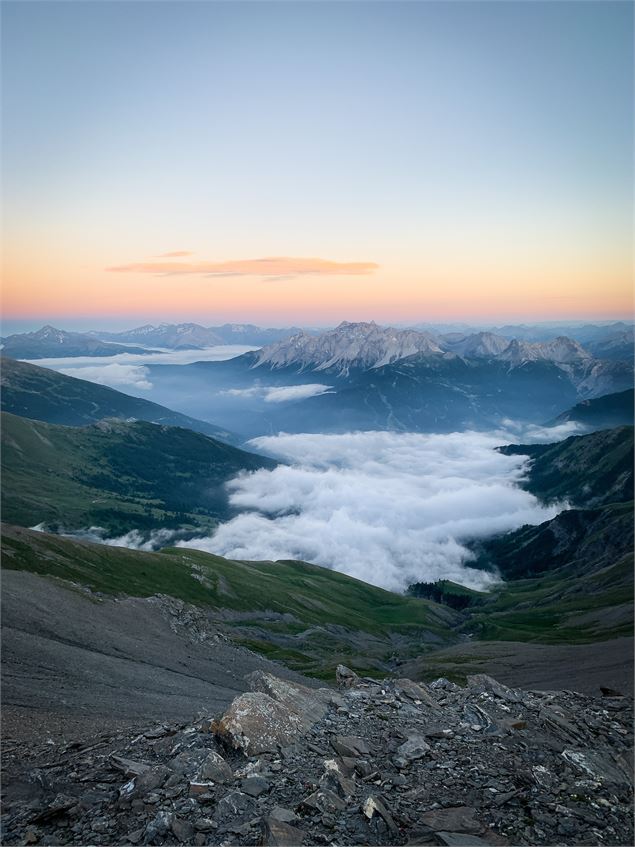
{"x": 387, "y": 508}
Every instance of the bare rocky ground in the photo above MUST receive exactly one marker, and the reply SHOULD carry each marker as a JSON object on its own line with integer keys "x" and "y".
{"x": 583, "y": 667}
{"x": 73, "y": 665}
{"x": 373, "y": 763}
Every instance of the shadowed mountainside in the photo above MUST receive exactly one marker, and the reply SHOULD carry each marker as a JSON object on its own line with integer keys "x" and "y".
{"x": 116, "y": 475}
{"x": 46, "y": 395}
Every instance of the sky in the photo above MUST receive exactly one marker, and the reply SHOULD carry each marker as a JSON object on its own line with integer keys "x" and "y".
{"x": 304, "y": 162}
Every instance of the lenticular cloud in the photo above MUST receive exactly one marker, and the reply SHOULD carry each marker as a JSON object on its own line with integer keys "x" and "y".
{"x": 388, "y": 508}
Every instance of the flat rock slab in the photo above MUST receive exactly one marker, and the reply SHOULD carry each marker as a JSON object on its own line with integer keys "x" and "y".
{"x": 455, "y": 819}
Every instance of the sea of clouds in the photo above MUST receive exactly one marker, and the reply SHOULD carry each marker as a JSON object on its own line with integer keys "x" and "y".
{"x": 127, "y": 370}
{"x": 387, "y": 508}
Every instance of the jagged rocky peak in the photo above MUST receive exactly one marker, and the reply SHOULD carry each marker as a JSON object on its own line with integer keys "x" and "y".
{"x": 561, "y": 350}
{"x": 377, "y": 762}
{"x": 482, "y": 345}
{"x": 350, "y": 345}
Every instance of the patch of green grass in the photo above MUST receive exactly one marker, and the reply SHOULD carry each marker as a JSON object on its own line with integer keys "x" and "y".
{"x": 359, "y": 621}
{"x": 560, "y": 607}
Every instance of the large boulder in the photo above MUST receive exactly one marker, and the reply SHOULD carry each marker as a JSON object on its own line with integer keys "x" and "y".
{"x": 272, "y": 715}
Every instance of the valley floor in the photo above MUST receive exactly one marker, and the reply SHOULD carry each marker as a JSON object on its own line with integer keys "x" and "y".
{"x": 546, "y": 667}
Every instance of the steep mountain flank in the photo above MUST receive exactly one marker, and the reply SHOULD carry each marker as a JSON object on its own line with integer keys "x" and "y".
{"x": 116, "y": 475}
{"x": 586, "y": 470}
{"x": 45, "y": 395}
{"x": 604, "y": 412}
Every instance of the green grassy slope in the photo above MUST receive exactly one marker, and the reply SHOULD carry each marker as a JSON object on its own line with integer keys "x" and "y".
{"x": 307, "y": 616}
{"x": 587, "y": 470}
{"x": 579, "y": 602}
{"x": 569, "y": 579}
{"x": 45, "y": 395}
{"x": 116, "y": 475}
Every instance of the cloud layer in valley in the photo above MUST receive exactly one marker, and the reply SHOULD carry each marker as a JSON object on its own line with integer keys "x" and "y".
{"x": 127, "y": 371}
{"x": 271, "y": 267}
{"x": 387, "y": 508}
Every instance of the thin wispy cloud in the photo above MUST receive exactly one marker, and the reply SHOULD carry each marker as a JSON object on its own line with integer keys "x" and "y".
{"x": 275, "y": 267}
{"x": 276, "y": 394}
{"x": 175, "y": 254}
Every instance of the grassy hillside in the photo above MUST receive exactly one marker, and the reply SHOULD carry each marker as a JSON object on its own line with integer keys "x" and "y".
{"x": 569, "y": 580}
{"x": 45, "y": 395}
{"x": 307, "y": 616}
{"x": 587, "y": 470}
{"x": 116, "y": 475}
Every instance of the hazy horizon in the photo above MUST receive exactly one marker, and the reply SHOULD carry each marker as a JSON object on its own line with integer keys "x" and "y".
{"x": 11, "y": 327}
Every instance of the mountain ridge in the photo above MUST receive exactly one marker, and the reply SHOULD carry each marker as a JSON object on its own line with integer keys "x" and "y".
{"x": 117, "y": 476}
{"x": 43, "y": 394}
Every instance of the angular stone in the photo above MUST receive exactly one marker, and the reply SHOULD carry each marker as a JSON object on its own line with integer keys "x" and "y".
{"x": 183, "y": 830}
{"x": 255, "y": 786}
{"x": 158, "y": 826}
{"x": 323, "y": 800}
{"x": 188, "y": 761}
{"x": 255, "y": 723}
{"x": 275, "y": 714}
{"x": 374, "y": 805}
{"x": 284, "y": 815}
{"x": 200, "y": 787}
{"x": 415, "y": 747}
{"x": 310, "y": 704}
{"x": 277, "y": 833}
{"x": 215, "y": 769}
{"x": 416, "y": 691}
{"x": 483, "y": 682}
{"x": 597, "y": 765}
{"x": 335, "y": 779}
{"x": 453, "y": 819}
{"x": 149, "y": 780}
{"x": 350, "y": 745}
{"x": 128, "y": 766}
{"x": 235, "y": 809}
{"x": 345, "y": 677}
{"x": 610, "y": 692}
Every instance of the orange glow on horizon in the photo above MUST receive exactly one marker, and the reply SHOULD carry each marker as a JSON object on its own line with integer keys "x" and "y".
{"x": 53, "y": 285}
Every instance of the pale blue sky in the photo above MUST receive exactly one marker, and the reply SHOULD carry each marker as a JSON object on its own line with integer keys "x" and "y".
{"x": 386, "y": 132}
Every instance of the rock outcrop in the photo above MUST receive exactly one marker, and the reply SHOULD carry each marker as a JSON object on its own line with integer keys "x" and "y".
{"x": 392, "y": 762}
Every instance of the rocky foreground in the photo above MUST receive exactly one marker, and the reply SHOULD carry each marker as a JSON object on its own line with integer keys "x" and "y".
{"x": 373, "y": 763}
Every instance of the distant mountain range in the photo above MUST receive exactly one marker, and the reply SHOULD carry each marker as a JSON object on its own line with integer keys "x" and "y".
{"x": 46, "y": 395}
{"x": 363, "y": 376}
{"x": 366, "y": 345}
{"x": 50, "y": 342}
{"x": 191, "y": 336}
{"x": 385, "y": 378}
{"x": 610, "y": 341}
{"x": 350, "y": 345}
